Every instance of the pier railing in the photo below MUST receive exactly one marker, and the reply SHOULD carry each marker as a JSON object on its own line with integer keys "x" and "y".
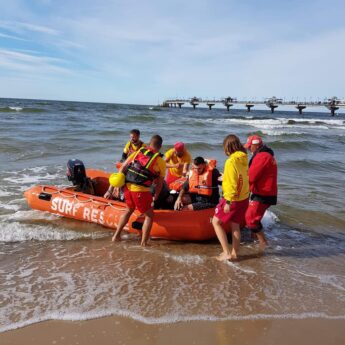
{"x": 333, "y": 104}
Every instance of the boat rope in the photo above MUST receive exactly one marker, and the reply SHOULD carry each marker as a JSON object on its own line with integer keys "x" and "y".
{"x": 71, "y": 195}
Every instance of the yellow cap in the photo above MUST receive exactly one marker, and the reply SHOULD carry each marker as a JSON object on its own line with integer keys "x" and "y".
{"x": 117, "y": 179}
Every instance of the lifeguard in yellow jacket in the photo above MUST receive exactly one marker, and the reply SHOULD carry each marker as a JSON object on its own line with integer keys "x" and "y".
{"x": 232, "y": 207}
{"x": 133, "y": 145}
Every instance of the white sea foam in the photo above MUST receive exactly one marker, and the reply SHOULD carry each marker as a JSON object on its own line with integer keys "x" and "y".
{"x": 4, "y": 193}
{"x": 330, "y": 279}
{"x": 186, "y": 259}
{"x": 29, "y": 215}
{"x": 29, "y": 179}
{"x": 16, "y": 232}
{"x": 269, "y": 219}
{"x": 272, "y": 132}
{"x": 240, "y": 267}
{"x": 9, "y": 206}
{"x": 284, "y": 123}
{"x": 38, "y": 169}
{"x": 16, "y": 108}
{"x": 173, "y": 318}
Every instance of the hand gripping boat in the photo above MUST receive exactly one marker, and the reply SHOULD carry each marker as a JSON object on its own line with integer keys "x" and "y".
{"x": 167, "y": 224}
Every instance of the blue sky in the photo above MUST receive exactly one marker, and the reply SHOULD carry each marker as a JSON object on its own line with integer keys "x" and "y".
{"x": 146, "y": 51}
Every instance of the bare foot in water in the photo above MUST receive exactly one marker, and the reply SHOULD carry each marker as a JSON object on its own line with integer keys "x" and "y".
{"x": 262, "y": 241}
{"x": 116, "y": 238}
{"x": 223, "y": 257}
{"x": 262, "y": 246}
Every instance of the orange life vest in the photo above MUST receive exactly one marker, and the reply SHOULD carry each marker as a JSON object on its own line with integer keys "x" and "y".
{"x": 202, "y": 184}
{"x": 177, "y": 184}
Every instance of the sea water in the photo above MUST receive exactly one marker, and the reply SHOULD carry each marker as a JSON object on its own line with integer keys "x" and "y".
{"x": 56, "y": 268}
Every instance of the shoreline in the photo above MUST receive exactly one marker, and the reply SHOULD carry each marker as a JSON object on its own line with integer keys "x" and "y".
{"x": 124, "y": 330}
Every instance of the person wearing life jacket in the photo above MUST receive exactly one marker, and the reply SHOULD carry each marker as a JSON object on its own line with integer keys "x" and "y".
{"x": 177, "y": 161}
{"x": 263, "y": 175}
{"x": 142, "y": 169}
{"x": 133, "y": 145}
{"x": 200, "y": 191}
{"x": 232, "y": 207}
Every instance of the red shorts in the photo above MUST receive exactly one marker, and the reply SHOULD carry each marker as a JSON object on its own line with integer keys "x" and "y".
{"x": 171, "y": 178}
{"x": 236, "y": 214}
{"x": 254, "y": 214}
{"x": 142, "y": 201}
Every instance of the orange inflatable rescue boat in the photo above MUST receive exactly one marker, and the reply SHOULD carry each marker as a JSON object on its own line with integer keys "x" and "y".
{"x": 167, "y": 224}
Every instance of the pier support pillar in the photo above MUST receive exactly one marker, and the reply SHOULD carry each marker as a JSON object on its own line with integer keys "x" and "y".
{"x": 273, "y": 107}
{"x": 180, "y": 105}
{"x": 228, "y": 105}
{"x": 333, "y": 110}
{"x": 194, "y": 104}
{"x": 300, "y": 108}
{"x": 249, "y": 106}
{"x": 210, "y": 105}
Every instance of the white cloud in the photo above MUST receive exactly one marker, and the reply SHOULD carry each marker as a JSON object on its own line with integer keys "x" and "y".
{"x": 22, "y": 27}
{"x": 12, "y": 37}
{"x": 153, "y": 49}
{"x": 30, "y": 63}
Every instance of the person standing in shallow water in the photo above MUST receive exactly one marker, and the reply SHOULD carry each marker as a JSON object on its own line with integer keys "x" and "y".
{"x": 142, "y": 169}
{"x": 263, "y": 175}
{"x": 232, "y": 207}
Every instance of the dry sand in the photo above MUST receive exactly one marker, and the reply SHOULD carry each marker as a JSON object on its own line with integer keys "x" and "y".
{"x": 120, "y": 330}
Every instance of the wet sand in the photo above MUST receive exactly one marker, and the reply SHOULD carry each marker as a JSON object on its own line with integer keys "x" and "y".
{"x": 120, "y": 330}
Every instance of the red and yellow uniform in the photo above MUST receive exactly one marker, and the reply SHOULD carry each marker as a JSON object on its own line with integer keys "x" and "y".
{"x": 131, "y": 148}
{"x": 263, "y": 175}
{"x": 172, "y": 158}
{"x": 235, "y": 189}
{"x": 139, "y": 196}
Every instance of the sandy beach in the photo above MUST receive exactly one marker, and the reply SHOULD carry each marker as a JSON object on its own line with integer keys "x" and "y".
{"x": 119, "y": 330}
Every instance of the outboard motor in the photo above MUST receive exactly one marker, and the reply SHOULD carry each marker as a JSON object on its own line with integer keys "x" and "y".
{"x": 76, "y": 172}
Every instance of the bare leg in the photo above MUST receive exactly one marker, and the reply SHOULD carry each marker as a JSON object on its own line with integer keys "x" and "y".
{"x": 226, "y": 254}
{"x": 147, "y": 226}
{"x": 186, "y": 199}
{"x": 236, "y": 239}
{"x": 262, "y": 240}
{"x": 122, "y": 222}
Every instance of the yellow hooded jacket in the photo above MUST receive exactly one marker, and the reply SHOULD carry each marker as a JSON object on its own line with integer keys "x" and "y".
{"x": 235, "y": 178}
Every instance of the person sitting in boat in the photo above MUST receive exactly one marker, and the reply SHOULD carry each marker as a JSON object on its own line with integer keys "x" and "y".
{"x": 77, "y": 175}
{"x": 165, "y": 200}
{"x": 133, "y": 145}
{"x": 177, "y": 161}
{"x": 142, "y": 169}
{"x": 200, "y": 191}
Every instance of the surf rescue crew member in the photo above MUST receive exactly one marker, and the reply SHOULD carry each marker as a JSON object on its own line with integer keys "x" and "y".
{"x": 141, "y": 169}
{"x": 263, "y": 174}
{"x": 133, "y": 145}
{"x": 200, "y": 191}
{"x": 232, "y": 207}
{"x": 177, "y": 161}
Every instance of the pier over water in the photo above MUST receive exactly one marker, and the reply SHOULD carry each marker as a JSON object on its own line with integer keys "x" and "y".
{"x": 333, "y": 104}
